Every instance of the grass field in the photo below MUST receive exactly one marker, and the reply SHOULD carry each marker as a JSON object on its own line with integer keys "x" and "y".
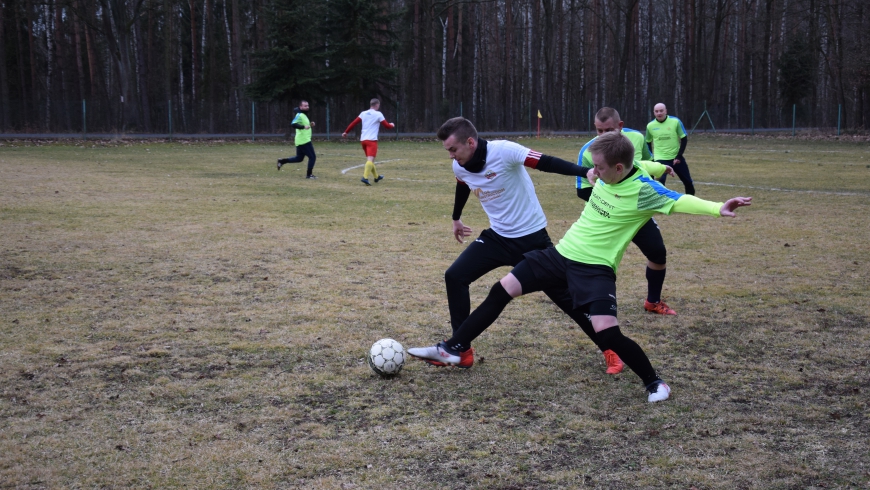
{"x": 184, "y": 315}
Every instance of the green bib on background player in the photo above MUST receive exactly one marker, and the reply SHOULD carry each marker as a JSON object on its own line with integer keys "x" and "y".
{"x": 302, "y": 135}
{"x": 665, "y": 137}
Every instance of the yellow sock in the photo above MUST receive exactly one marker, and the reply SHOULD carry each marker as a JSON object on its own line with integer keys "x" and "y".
{"x": 370, "y": 172}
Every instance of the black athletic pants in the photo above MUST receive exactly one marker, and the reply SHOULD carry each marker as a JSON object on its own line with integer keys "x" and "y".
{"x": 489, "y": 252}
{"x": 302, "y": 151}
{"x": 650, "y": 242}
{"x": 682, "y": 171}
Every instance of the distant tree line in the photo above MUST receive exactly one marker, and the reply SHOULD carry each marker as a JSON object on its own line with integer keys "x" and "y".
{"x": 209, "y": 66}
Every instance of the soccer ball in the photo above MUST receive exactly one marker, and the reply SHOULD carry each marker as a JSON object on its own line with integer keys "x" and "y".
{"x": 386, "y": 357}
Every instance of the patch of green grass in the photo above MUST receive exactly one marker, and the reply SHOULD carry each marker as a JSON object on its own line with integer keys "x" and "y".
{"x": 184, "y": 315}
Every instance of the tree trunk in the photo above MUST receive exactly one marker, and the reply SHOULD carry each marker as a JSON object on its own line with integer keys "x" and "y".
{"x": 238, "y": 79}
{"x": 208, "y": 35}
{"x": 144, "y": 99}
{"x": 51, "y": 62}
{"x": 25, "y": 111}
{"x": 4, "y": 77}
{"x": 32, "y": 48}
{"x": 80, "y": 69}
{"x": 194, "y": 62}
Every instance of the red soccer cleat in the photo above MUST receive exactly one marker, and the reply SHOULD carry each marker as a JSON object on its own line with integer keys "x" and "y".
{"x": 660, "y": 308}
{"x": 614, "y": 363}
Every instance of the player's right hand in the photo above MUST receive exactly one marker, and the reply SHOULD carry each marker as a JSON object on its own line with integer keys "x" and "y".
{"x": 344, "y": 135}
{"x": 460, "y": 231}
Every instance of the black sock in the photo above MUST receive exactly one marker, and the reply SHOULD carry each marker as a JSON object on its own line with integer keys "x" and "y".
{"x": 562, "y": 299}
{"x": 631, "y": 354}
{"x": 480, "y": 318}
{"x": 655, "y": 280}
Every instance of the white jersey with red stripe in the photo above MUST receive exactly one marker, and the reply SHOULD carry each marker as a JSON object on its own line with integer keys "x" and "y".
{"x": 371, "y": 120}
{"x": 505, "y": 189}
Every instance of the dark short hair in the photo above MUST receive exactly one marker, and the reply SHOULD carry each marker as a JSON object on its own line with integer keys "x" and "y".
{"x": 459, "y": 126}
{"x": 374, "y": 102}
{"x": 606, "y": 114}
{"x": 614, "y": 147}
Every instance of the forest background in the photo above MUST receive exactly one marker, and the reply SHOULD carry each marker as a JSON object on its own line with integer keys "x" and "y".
{"x": 216, "y": 66}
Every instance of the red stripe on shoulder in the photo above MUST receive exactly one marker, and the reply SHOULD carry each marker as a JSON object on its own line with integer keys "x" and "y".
{"x": 532, "y": 159}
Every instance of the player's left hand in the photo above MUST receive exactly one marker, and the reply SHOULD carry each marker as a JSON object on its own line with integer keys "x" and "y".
{"x": 732, "y": 204}
{"x": 312, "y": 124}
{"x": 670, "y": 171}
{"x": 677, "y": 161}
{"x": 591, "y": 176}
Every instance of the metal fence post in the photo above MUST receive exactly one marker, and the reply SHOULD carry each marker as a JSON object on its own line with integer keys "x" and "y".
{"x": 839, "y": 113}
{"x": 253, "y": 119}
{"x": 752, "y": 116}
{"x": 530, "y": 117}
{"x": 793, "y": 113}
{"x": 170, "y": 119}
{"x": 327, "y": 121}
{"x": 84, "y": 120}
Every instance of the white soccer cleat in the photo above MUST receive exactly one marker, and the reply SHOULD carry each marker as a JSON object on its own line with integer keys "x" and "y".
{"x": 659, "y": 392}
{"x": 434, "y": 353}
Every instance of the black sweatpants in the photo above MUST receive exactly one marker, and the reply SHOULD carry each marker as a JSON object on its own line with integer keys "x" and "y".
{"x": 682, "y": 171}
{"x": 302, "y": 151}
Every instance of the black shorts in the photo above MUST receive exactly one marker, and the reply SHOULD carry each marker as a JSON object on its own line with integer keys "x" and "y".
{"x": 592, "y": 287}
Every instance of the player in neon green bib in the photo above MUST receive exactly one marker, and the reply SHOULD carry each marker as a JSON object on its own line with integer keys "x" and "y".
{"x": 586, "y": 259}
{"x": 668, "y": 137}
{"x": 649, "y": 238}
{"x": 304, "y": 147}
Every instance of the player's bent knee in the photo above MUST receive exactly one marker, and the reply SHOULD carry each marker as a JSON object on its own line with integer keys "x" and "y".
{"x": 454, "y": 277}
{"x": 511, "y": 285}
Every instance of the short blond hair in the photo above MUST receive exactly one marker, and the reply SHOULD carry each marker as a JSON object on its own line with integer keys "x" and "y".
{"x": 614, "y": 147}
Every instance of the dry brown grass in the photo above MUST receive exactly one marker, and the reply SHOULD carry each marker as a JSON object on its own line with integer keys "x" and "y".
{"x": 183, "y": 315}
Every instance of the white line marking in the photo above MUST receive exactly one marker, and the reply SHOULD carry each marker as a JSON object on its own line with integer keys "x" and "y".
{"x": 786, "y": 190}
{"x": 377, "y": 162}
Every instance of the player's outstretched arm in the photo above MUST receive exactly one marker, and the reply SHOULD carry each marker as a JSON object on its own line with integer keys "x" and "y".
{"x": 556, "y": 165}
{"x": 732, "y": 204}
{"x": 694, "y": 205}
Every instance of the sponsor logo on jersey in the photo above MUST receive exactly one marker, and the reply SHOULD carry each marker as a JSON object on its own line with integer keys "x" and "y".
{"x": 490, "y": 174}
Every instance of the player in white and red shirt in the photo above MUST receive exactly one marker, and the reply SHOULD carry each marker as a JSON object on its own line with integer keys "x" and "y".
{"x": 371, "y": 121}
{"x": 495, "y": 172}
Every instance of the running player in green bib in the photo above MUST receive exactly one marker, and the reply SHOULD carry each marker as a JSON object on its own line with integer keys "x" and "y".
{"x": 304, "y": 147}
{"x": 586, "y": 259}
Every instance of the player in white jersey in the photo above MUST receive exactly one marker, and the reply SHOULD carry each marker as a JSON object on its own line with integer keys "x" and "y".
{"x": 495, "y": 172}
{"x": 371, "y": 121}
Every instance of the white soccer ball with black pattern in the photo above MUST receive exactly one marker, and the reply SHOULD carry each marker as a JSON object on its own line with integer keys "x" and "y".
{"x": 386, "y": 357}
